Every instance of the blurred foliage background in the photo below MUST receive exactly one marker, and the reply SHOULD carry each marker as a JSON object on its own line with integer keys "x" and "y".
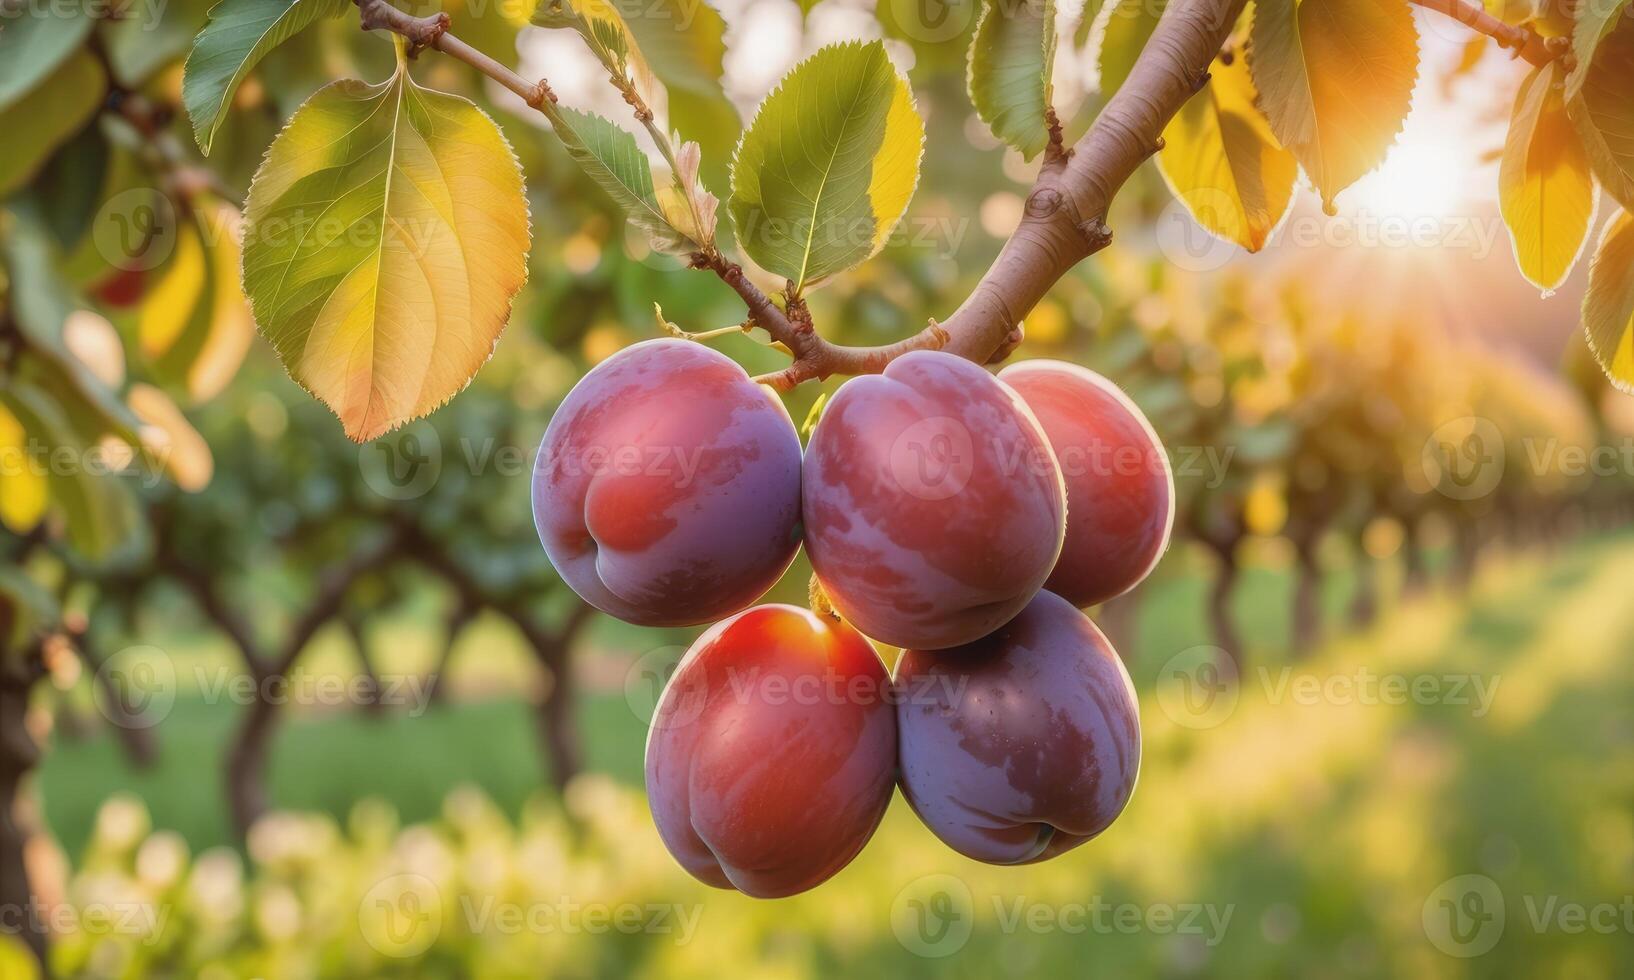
{"x": 273, "y": 704}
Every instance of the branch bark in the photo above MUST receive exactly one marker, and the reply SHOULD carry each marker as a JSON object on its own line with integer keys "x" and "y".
{"x": 19, "y": 754}
{"x": 1523, "y": 41}
{"x": 1064, "y": 221}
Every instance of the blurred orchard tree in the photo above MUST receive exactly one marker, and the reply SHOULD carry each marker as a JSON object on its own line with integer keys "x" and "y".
{"x": 178, "y": 176}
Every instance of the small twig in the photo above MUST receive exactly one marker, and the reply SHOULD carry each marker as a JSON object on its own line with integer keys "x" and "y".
{"x": 1523, "y": 41}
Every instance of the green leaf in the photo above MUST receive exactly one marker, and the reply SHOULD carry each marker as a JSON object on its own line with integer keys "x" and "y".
{"x": 34, "y": 43}
{"x": 41, "y": 303}
{"x": 30, "y": 610}
{"x": 611, "y": 157}
{"x": 1011, "y": 58}
{"x": 826, "y": 170}
{"x": 147, "y": 37}
{"x": 1595, "y": 19}
{"x": 1222, "y": 162}
{"x": 1608, "y": 306}
{"x": 685, "y": 43}
{"x": 239, "y": 35}
{"x": 386, "y": 236}
{"x": 1603, "y": 112}
{"x": 1545, "y": 185}
{"x": 49, "y": 117}
{"x": 1119, "y": 36}
{"x": 1336, "y": 80}
{"x": 609, "y": 36}
{"x": 97, "y": 507}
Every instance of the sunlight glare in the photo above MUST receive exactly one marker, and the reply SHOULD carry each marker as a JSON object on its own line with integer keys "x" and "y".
{"x": 1419, "y": 179}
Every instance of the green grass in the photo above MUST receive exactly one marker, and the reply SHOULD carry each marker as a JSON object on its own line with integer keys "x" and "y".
{"x": 1323, "y": 830}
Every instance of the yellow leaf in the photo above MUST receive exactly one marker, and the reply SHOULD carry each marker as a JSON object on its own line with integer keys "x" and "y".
{"x": 1603, "y": 111}
{"x": 1608, "y": 306}
{"x": 23, "y": 496}
{"x": 1222, "y": 162}
{"x": 170, "y": 440}
{"x": 1336, "y": 80}
{"x": 386, "y": 235}
{"x": 170, "y": 306}
{"x": 222, "y": 350}
{"x": 1545, "y": 185}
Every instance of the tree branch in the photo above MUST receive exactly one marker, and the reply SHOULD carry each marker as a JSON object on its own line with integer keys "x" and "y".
{"x": 1064, "y": 221}
{"x": 1523, "y": 41}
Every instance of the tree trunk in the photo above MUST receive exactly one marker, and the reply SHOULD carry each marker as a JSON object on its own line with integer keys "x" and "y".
{"x": 1307, "y": 625}
{"x": 1364, "y": 603}
{"x": 558, "y": 720}
{"x": 18, "y": 756}
{"x": 246, "y": 773}
{"x": 1219, "y": 606}
{"x": 1415, "y": 573}
{"x": 372, "y": 703}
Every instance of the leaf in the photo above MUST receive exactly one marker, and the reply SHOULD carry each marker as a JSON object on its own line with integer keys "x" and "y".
{"x": 1595, "y": 19}
{"x": 33, "y": 43}
{"x": 1604, "y": 113}
{"x": 611, "y": 157}
{"x": 1119, "y": 36}
{"x": 238, "y": 36}
{"x": 1012, "y": 55}
{"x": 49, "y": 117}
{"x": 170, "y": 440}
{"x": 96, "y": 506}
{"x": 1545, "y": 187}
{"x": 42, "y": 303}
{"x": 22, "y": 486}
{"x": 825, "y": 171}
{"x": 684, "y": 42}
{"x": 194, "y": 327}
{"x": 1608, "y": 306}
{"x": 1336, "y": 80}
{"x": 29, "y": 610}
{"x": 609, "y": 38}
{"x": 386, "y": 235}
{"x": 68, "y": 190}
{"x": 146, "y": 37}
{"x": 1221, "y": 161}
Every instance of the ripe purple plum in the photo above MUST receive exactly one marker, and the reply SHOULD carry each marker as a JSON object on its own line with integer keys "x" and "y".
{"x": 1120, "y": 490}
{"x": 667, "y": 487}
{"x": 934, "y": 509}
{"x": 772, "y": 752}
{"x": 1022, "y": 745}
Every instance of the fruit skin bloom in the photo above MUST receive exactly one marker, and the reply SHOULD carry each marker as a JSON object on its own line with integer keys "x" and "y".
{"x": 1024, "y": 744}
{"x": 934, "y": 508}
{"x": 772, "y": 753}
{"x": 1120, "y": 489}
{"x": 667, "y": 487}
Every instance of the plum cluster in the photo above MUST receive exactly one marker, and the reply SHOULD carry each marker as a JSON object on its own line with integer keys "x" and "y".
{"x": 962, "y": 517}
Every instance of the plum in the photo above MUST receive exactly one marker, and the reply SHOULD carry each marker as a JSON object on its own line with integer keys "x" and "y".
{"x": 1120, "y": 490}
{"x": 934, "y": 509}
{"x": 667, "y": 486}
{"x": 1023, "y": 744}
{"x": 772, "y": 752}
